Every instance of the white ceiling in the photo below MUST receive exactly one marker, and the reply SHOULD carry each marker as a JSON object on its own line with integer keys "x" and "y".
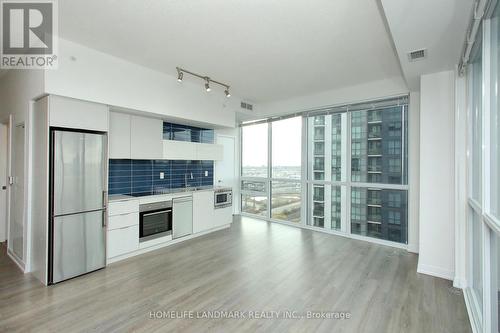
{"x": 265, "y": 49}
{"x": 437, "y": 25}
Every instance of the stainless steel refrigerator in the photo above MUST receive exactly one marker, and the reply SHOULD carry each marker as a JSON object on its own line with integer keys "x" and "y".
{"x": 78, "y": 200}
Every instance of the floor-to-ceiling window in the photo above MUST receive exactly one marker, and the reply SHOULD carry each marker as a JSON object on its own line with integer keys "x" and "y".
{"x": 494, "y": 169}
{"x": 286, "y": 159}
{"x": 254, "y": 169}
{"x": 475, "y": 173}
{"x": 379, "y": 197}
{"x": 495, "y": 112}
{"x": 337, "y": 170}
{"x": 271, "y": 169}
{"x": 483, "y": 225}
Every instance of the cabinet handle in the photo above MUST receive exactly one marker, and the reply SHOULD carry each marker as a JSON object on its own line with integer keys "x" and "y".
{"x": 126, "y": 227}
{"x": 122, "y": 214}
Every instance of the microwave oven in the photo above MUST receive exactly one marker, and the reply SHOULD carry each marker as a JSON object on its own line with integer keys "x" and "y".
{"x": 223, "y": 197}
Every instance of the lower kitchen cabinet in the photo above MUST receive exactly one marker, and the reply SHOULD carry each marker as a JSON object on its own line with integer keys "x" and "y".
{"x": 123, "y": 220}
{"x": 203, "y": 212}
{"x": 122, "y": 241}
{"x": 223, "y": 216}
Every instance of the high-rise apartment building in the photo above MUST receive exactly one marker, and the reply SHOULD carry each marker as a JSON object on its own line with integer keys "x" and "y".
{"x": 377, "y": 156}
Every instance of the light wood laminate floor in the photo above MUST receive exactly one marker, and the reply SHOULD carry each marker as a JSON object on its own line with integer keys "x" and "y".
{"x": 252, "y": 266}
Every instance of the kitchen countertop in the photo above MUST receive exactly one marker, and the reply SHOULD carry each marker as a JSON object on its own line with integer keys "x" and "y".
{"x": 170, "y": 193}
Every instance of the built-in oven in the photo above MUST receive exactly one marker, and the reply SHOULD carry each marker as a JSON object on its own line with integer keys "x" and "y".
{"x": 223, "y": 197}
{"x": 155, "y": 220}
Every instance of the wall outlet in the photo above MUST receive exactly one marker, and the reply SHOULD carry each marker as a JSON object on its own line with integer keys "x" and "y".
{"x": 206, "y": 173}
{"x": 162, "y": 175}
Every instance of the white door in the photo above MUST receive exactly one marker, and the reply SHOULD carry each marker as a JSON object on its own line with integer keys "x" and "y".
{"x": 3, "y": 182}
{"x": 224, "y": 169}
{"x": 16, "y": 229}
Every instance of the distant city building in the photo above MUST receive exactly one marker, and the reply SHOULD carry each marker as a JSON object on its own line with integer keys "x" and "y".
{"x": 377, "y": 157}
{"x": 326, "y": 166}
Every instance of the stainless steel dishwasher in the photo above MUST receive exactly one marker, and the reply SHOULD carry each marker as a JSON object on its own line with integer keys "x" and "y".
{"x": 182, "y": 216}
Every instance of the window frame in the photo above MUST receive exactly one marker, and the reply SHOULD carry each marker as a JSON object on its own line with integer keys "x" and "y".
{"x": 484, "y": 315}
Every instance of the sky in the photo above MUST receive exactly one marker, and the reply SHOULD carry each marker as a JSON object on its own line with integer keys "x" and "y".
{"x": 286, "y": 143}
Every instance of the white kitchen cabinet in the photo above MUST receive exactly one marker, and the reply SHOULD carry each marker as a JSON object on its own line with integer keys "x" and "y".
{"x": 179, "y": 150}
{"x": 123, "y": 207}
{"x": 146, "y": 138}
{"x": 209, "y": 152}
{"x": 123, "y": 220}
{"x": 74, "y": 113}
{"x": 119, "y": 135}
{"x": 122, "y": 241}
{"x": 203, "y": 211}
{"x": 223, "y": 216}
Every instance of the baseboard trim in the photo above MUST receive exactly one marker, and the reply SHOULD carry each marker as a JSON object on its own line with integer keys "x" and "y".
{"x": 413, "y": 248}
{"x": 162, "y": 245}
{"x": 459, "y": 282}
{"x": 435, "y": 271}
{"x": 16, "y": 260}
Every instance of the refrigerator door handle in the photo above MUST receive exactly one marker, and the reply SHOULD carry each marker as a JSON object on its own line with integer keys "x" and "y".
{"x": 105, "y": 199}
{"x": 104, "y": 218}
{"x": 105, "y": 210}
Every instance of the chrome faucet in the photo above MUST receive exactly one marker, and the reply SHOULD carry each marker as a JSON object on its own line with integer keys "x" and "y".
{"x": 186, "y": 185}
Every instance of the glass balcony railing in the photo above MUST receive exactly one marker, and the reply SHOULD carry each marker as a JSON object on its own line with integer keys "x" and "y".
{"x": 375, "y": 151}
{"x": 374, "y": 218}
{"x": 374, "y": 168}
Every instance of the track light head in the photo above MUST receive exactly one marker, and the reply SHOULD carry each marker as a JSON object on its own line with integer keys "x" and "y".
{"x": 228, "y": 94}
{"x": 207, "y": 84}
{"x": 180, "y": 75}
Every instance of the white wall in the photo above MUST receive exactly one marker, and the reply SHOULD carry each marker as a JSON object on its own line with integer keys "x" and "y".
{"x": 90, "y": 75}
{"x": 437, "y": 180}
{"x": 40, "y": 189}
{"x": 17, "y": 88}
{"x": 352, "y": 94}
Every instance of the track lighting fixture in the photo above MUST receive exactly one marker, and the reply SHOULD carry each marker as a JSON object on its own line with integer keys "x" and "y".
{"x": 208, "y": 80}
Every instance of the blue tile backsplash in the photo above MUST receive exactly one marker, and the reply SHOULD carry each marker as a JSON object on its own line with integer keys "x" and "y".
{"x": 187, "y": 133}
{"x": 138, "y": 176}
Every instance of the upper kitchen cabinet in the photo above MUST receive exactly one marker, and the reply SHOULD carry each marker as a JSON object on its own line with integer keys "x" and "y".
{"x": 119, "y": 135}
{"x": 209, "y": 152}
{"x": 74, "y": 113}
{"x": 146, "y": 138}
{"x": 180, "y": 150}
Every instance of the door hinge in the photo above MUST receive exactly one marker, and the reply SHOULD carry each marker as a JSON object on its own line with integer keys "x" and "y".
{"x": 11, "y": 180}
